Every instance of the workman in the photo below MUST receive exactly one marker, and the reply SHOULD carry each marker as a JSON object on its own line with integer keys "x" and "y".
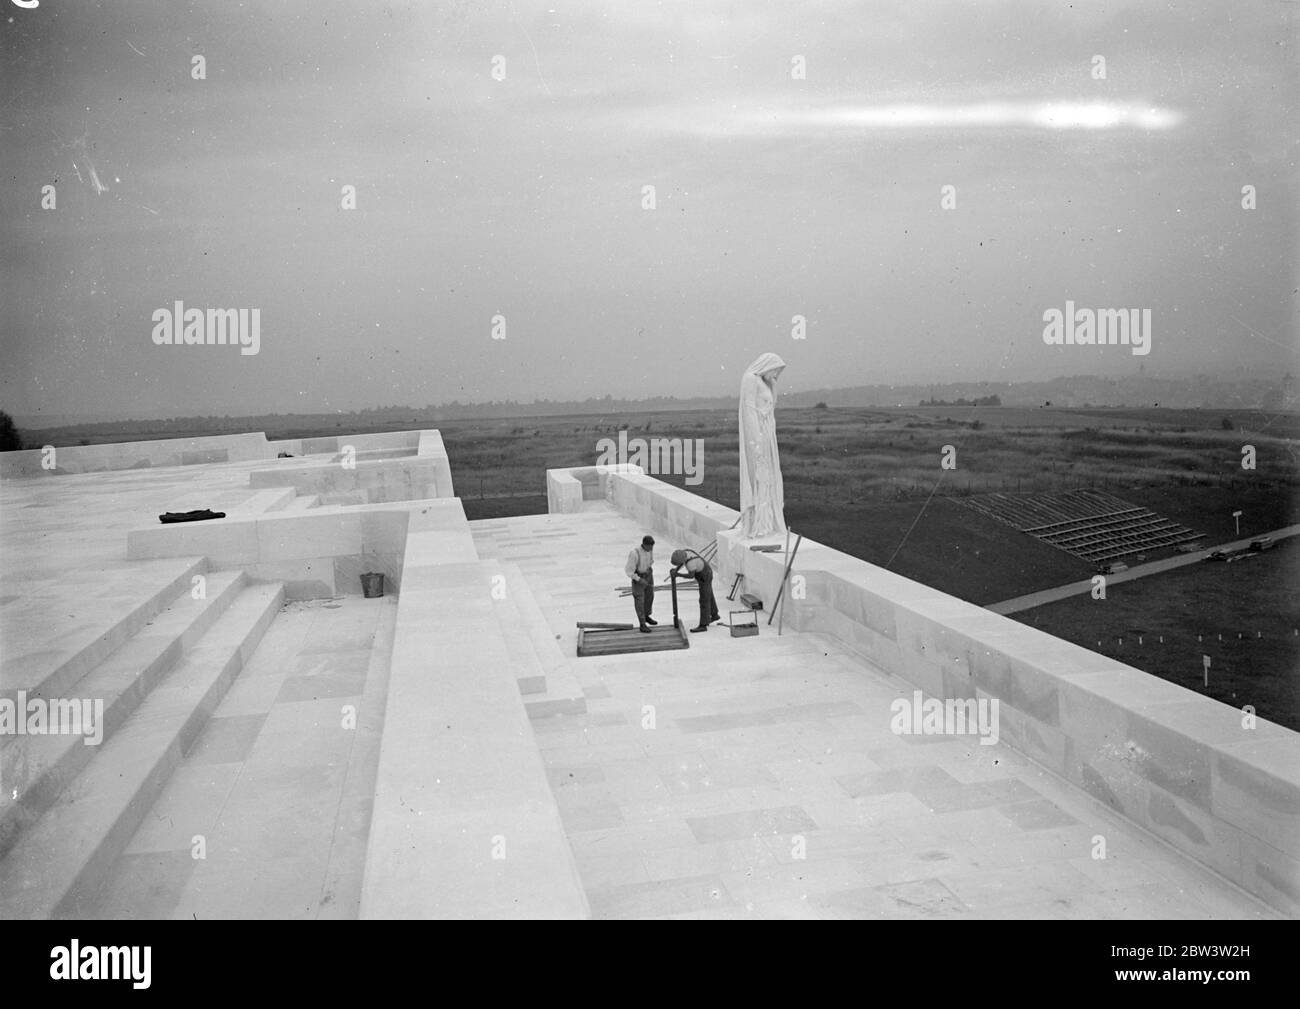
{"x": 700, "y": 569}
{"x": 640, "y": 569}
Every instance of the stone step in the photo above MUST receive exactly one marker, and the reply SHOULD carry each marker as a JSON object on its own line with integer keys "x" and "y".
{"x": 175, "y": 577}
{"x": 562, "y": 693}
{"x": 302, "y": 502}
{"x": 272, "y": 499}
{"x": 36, "y": 768}
{"x": 514, "y": 635}
{"x": 542, "y": 687}
{"x": 61, "y": 860}
{"x": 526, "y": 667}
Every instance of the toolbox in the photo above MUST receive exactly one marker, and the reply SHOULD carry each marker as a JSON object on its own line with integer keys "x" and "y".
{"x": 748, "y": 625}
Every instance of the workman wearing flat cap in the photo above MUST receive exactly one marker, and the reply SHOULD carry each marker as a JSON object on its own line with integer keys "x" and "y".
{"x": 640, "y": 568}
{"x": 699, "y": 569}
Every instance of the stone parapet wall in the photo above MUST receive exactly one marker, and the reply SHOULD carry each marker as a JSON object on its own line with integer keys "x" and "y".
{"x": 232, "y": 448}
{"x": 138, "y": 455}
{"x": 350, "y": 478}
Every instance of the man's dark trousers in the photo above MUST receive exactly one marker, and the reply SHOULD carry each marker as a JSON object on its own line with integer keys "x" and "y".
{"x": 708, "y": 605}
{"x": 643, "y": 595}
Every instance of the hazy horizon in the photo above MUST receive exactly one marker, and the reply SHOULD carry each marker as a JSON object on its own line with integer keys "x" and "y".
{"x": 507, "y": 409}
{"x": 523, "y": 197}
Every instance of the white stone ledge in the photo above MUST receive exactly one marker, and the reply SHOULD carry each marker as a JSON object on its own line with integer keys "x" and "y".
{"x": 138, "y": 455}
{"x": 464, "y": 823}
{"x": 223, "y": 448}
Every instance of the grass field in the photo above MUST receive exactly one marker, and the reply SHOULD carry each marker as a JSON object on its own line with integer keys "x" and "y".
{"x": 1245, "y": 615}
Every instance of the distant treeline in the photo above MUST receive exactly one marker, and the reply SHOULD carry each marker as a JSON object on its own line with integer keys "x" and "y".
{"x": 1218, "y": 392}
{"x": 977, "y": 401}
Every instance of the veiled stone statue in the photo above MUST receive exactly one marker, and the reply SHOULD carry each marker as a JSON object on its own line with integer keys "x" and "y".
{"x": 762, "y": 499}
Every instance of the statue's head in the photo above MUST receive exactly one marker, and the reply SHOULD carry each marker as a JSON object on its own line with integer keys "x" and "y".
{"x": 768, "y": 367}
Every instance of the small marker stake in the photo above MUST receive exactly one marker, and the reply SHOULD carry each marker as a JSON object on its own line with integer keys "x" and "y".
{"x": 1205, "y": 661}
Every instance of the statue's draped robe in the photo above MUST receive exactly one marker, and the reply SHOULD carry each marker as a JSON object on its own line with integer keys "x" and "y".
{"x": 762, "y": 497}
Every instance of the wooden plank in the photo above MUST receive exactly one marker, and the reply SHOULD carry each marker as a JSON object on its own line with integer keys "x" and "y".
{"x": 607, "y": 641}
{"x": 785, "y": 577}
{"x": 690, "y": 586}
{"x": 602, "y": 638}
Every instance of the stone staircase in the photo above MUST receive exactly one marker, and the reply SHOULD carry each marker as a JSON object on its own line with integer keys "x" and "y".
{"x": 88, "y": 643}
{"x": 545, "y": 678}
{"x": 68, "y": 809}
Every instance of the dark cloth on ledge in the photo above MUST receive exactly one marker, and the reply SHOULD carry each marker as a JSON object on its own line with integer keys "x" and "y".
{"x": 195, "y": 516}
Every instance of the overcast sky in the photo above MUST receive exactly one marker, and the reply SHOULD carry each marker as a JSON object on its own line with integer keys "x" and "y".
{"x": 523, "y": 197}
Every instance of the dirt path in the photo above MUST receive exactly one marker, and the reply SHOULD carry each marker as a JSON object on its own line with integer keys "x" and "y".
{"x": 1139, "y": 571}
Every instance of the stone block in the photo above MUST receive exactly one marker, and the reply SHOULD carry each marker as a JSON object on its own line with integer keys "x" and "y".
{"x": 305, "y": 578}
{"x": 1173, "y": 761}
{"x": 1272, "y": 875}
{"x": 320, "y": 446}
{"x": 921, "y": 672}
{"x": 1045, "y": 744}
{"x": 315, "y": 533}
{"x": 563, "y": 492}
{"x": 204, "y": 455}
{"x": 1256, "y": 786}
{"x": 227, "y": 542}
{"x": 1194, "y": 830}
